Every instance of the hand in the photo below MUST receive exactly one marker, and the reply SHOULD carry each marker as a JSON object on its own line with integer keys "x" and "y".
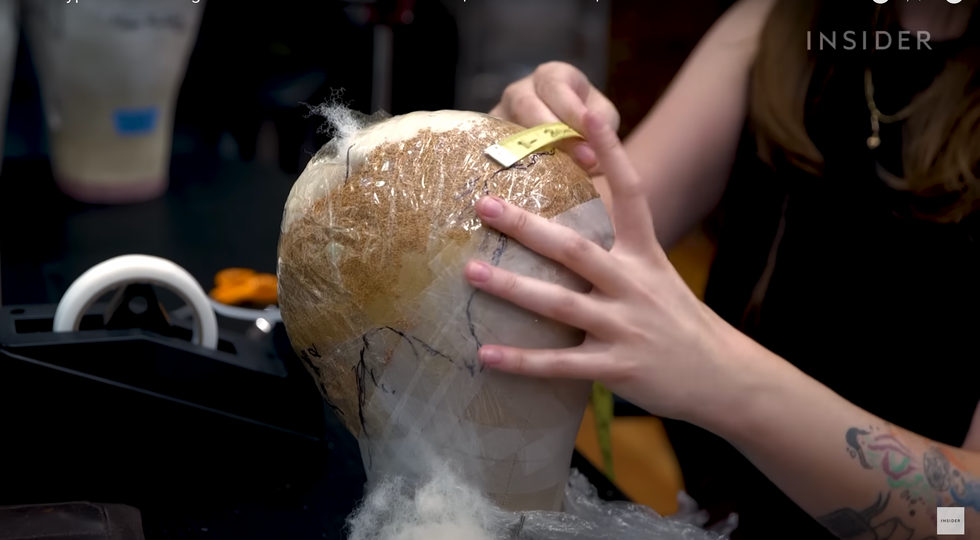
{"x": 648, "y": 338}
{"x": 557, "y": 92}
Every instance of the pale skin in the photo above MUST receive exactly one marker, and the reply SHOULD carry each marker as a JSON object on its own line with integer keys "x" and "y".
{"x": 650, "y": 340}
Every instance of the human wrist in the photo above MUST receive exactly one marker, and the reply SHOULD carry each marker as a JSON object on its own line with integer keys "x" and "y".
{"x": 747, "y": 384}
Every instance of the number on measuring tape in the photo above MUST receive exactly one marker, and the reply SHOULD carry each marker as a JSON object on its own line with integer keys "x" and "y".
{"x": 520, "y": 145}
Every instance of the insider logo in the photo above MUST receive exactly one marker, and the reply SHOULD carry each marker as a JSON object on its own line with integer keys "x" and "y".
{"x": 950, "y": 519}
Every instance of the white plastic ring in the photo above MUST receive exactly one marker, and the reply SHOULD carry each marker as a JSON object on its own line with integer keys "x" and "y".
{"x": 128, "y": 269}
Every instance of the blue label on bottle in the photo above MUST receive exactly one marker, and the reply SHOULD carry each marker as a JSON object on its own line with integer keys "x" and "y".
{"x": 131, "y": 122}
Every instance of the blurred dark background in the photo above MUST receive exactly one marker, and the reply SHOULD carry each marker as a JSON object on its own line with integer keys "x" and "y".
{"x": 243, "y": 133}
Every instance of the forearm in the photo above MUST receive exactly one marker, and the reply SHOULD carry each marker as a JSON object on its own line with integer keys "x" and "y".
{"x": 684, "y": 149}
{"x": 852, "y": 471}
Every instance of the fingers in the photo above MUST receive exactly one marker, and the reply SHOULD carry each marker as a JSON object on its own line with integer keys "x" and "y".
{"x": 556, "y": 92}
{"x": 547, "y": 299}
{"x": 523, "y": 106}
{"x": 499, "y": 111}
{"x": 564, "y": 90}
{"x": 560, "y": 98}
{"x": 556, "y": 242}
{"x": 600, "y": 104}
{"x": 570, "y": 95}
{"x": 562, "y": 364}
{"x": 630, "y": 208}
{"x": 583, "y": 154}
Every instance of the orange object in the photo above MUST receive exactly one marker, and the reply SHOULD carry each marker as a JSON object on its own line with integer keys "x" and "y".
{"x": 237, "y": 286}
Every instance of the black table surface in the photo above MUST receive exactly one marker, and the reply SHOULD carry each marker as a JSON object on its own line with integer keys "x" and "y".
{"x": 216, "y": 214}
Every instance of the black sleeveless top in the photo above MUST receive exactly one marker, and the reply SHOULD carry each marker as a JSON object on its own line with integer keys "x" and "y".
{"x": 881, "y": 308}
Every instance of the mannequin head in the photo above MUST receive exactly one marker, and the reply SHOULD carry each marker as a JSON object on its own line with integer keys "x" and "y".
{"x": 375, "y": 236}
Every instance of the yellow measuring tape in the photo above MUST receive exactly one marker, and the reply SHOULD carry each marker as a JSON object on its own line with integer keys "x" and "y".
{"x": 518, "y": 146}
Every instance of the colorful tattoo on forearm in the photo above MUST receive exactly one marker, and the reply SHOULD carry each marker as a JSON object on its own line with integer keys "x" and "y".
{"x": 882, "y": 451}
{"x": 867, "y": 523}
{"x": 934, "y": 478}
{"x": 922, "y": 482}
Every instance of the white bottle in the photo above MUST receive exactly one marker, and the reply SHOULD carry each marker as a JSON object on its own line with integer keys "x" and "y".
{"x": 110, "y": 72}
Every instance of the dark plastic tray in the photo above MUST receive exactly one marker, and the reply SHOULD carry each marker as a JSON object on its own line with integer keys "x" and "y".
{"x": 145, "y": 420}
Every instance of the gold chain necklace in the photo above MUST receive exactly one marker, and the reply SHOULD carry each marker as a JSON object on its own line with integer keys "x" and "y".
{"x": 878, "y": 117}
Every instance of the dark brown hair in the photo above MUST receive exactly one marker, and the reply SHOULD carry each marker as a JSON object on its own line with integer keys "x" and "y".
{"x": 941, "y": 151}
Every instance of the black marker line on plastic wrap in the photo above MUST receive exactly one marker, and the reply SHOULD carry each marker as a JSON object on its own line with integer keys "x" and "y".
{"x": 498, "y": 253}
{"x": 317, "y": 375}
{"x": 362, "y": 372}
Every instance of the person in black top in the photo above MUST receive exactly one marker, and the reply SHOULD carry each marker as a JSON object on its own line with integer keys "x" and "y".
{"x": 826, "y": 388}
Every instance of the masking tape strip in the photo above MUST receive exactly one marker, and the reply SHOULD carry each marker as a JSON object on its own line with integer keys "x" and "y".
{"x": 128, "y": 269}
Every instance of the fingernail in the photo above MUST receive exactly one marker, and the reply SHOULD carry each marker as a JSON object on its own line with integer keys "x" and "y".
{"x": 491, "y": 356}
{"x": 584, "y": 154}
{"x": 490, "y": 207}
{"x": 478, "y": 271}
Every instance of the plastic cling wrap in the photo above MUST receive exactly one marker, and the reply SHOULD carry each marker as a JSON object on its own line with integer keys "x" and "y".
{"x": 375, "y": 236}
{"x": 444, "y": 508}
